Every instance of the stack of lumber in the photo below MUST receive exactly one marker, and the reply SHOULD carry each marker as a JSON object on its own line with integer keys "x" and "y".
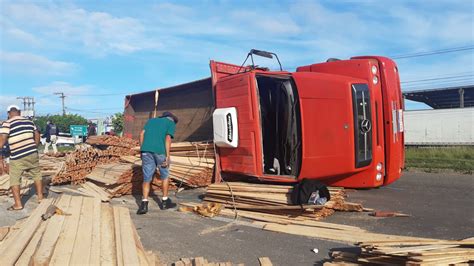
{"x": 274, "y": 199}
{"x": 82, "y": 161}
{"x": 192, "y": 163}
{"x": 79, "y": 163}
{"x": 25, "y": 187}
{"x": 118, "y": 179}
{"x": 115, "y": 141}
{"x": 415, "y": 252}
{"x": 51, "y": 164}
{"x": 89, "y": 233}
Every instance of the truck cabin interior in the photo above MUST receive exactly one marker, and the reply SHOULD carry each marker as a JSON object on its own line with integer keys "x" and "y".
{"x": 280, "y": 123}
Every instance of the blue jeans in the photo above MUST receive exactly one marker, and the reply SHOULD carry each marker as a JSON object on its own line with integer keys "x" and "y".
{"x": 150, "y": 163}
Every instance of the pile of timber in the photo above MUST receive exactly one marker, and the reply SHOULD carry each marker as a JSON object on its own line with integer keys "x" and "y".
{"x": 25, "y": 187}
{"x": 192, "y": 163}
{"x": 415, "y": 252}
{"x": 51, "y": 164}
{"x": 83, "y": 232}
{"x": 79, "y": 163}
{"x": 274, "y": 199}
{"x": 114, "y": 141}
{"x": 117, "y": 179}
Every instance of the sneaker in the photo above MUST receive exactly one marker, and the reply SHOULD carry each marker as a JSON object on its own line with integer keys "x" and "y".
{"x": 143, "y": 208}
{"x": 168, "y": 204}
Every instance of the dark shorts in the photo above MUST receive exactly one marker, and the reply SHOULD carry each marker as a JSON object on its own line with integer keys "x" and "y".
{"x": 150, "y": 163}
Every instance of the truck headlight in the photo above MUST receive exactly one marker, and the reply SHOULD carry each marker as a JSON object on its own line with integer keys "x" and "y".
{"x": 374, "y": 70}
{"x": 375, "y": 80}
{"x": 379, "y": 167}
{"x": 378, "y": 177}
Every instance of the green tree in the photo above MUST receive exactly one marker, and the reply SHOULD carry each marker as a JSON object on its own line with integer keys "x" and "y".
{"x": 62, "y": 122}
{"x": 117, "y": 122}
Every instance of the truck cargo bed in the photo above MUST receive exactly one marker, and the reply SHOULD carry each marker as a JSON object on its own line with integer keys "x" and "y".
{"x": 192, "y": 103}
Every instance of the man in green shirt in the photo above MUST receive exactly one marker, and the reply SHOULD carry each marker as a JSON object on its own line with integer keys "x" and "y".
{"x": 155, "y": 140}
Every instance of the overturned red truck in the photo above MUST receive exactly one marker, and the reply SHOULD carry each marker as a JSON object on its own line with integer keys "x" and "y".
{"x": 340, "y": 121}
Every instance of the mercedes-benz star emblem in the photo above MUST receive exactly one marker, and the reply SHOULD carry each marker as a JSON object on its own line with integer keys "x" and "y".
{"x": 365, "y": 126}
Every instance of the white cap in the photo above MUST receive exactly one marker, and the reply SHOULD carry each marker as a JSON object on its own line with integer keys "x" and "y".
{"x": 10, "y": 107}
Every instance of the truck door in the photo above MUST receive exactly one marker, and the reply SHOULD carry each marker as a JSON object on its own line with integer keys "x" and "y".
{"x": 239, "y": 91}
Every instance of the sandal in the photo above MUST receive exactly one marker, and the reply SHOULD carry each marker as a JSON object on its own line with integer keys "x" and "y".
{"x": 12, "y": 208}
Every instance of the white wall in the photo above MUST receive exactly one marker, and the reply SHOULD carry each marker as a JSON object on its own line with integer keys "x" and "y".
{"x": 440, "y": 127}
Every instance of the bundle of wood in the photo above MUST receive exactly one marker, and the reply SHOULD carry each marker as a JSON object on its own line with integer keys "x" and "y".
{"x": 114, "y": 141}
{"x": 81, "y": 231}
{"x": 414, "y": 252}
{"x": 118, "y": 179}
{"x": 80, "y": 162}
{"x": 105, "y": 149}
{"x": 51, "y": 164}
{"x": 192, "y": 163}
{"x": 274, "y": 199}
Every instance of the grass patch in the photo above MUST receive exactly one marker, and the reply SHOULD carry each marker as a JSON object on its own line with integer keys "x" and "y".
{"x": 459, "y": 159}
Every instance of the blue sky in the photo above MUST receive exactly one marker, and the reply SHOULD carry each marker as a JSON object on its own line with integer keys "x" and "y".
{"x": 92, "y": 49}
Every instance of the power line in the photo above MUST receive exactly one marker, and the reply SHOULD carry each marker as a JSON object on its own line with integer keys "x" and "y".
{"x": 424, "y": 53}
{"x": 441, "y": 78}
{"x": 434, "y": 52}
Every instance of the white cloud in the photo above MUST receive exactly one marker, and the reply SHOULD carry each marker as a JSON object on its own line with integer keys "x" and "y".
{"x": 22, "y": 36}
{"x": 65, "y": 87}
{"x": 27, "y": 63}
{"x": 76, "y": 96}
{"x": 6, "y": 100}
{"x": 64, "y": 27}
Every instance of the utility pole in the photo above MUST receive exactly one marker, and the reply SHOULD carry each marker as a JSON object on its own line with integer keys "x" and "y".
{"x": 28, "y": 106}
{"x": 62, "y": 96}
{"x": 23, "y": 99}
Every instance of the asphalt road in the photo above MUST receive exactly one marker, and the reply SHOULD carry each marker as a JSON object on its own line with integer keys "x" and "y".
{"x": 440, "y": 205}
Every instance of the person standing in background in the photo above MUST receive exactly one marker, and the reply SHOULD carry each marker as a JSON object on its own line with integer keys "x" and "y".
{"x": 155, "y": 141}
{"x": 23, "y": 138}
{"x": 51, "y": 134}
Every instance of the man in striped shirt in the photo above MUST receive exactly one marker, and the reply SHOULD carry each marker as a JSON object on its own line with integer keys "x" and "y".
{"x": 23, "y": 139}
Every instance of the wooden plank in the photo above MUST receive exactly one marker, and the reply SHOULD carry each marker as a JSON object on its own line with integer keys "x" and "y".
{"x": 58, "y": 189}
{"x": 265, "y": 261}
{"x": 64, "y": 247}
{"x": 441, "y": 252}
{"x": 440, "y": 257}
{"x": 101, "y": 194}
{"x": 96, "y": 234}
{"x": 51, "y": 235}
{"x": 27, "y": 254}
{"x": 107, "y": 237}
{"x": 82, "y": 244}
{"x": 331, "y": 234}
{"x": 129, "y": 249}
{"x": 284, "y": 220}
{"x": 392, "y": 251}
{"x": 4, "y": 230}
{"x": 118, "y": 238}
{"x": 11, "y": 248}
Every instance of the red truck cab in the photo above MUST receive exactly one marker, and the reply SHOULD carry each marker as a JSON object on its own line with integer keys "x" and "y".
{"x": 340, "y": 122}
